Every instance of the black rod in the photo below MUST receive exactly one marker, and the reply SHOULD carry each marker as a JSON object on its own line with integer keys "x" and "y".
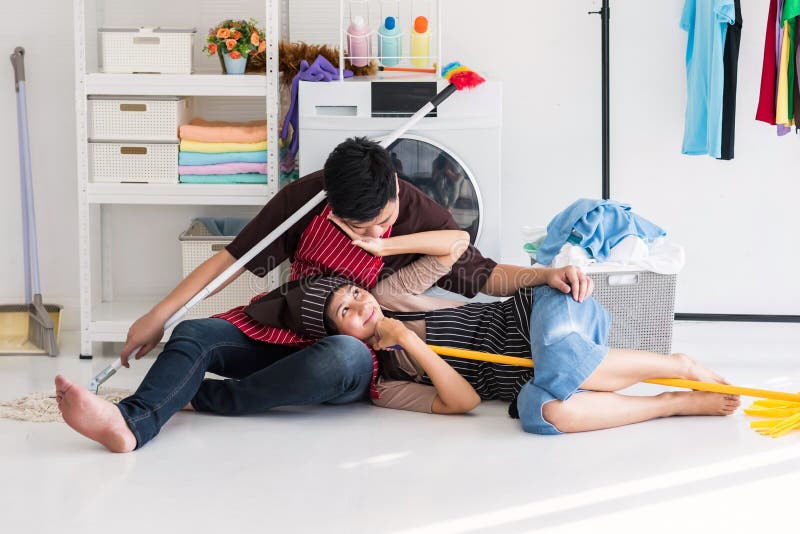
{"x": 738, "y": 317}
{"x": 605, "y": 16}
{"x": 605, "y": 61}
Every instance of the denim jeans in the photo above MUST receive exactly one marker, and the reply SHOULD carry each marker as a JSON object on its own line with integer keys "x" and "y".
{"x": 260, "y": 375}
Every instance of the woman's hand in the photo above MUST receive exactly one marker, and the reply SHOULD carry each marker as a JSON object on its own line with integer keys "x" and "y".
{"x": 388, "y": 333}
{"x": 570, "y": 279}
{"x": 371, "y": 245}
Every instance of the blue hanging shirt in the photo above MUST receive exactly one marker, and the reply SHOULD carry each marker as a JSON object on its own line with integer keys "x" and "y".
{"x": 595, "y": 225}
{"x": 706, "y": 22}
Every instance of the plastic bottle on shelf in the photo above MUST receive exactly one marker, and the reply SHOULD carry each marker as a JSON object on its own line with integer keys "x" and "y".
{"x": 359, "y": 44}
{"x": 420, "y": 43}
{"x": 389, "y": 42}
{"x": 533, "y": 236}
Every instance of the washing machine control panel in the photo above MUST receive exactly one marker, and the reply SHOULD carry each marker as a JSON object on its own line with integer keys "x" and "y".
{"x": 401, "y": 99}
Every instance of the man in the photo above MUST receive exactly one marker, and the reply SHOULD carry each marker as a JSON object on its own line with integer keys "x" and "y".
{"x": 263, "y": 371}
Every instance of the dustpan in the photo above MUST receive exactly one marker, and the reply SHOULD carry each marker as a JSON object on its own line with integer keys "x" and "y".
{"x": 14, "y": 326}
{"x": 33, "y": 327}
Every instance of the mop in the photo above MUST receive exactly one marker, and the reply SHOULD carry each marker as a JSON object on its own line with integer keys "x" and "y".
{"x": 781, "y": 410}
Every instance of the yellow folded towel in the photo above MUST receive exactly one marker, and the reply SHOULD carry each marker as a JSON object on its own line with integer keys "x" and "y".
{"x": 214, "y": 148}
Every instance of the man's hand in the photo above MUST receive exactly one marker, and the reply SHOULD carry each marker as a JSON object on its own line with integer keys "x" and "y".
{"x": 570, "y": 279}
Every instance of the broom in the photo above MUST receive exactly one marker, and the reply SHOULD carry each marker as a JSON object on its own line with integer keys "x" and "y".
{"x": 41, "y": 328}
{"x": 459, "y": 76}
{"x": 782, "y": 410}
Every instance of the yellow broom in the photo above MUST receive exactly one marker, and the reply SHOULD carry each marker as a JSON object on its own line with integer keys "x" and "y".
{"x": 782, "y": 410}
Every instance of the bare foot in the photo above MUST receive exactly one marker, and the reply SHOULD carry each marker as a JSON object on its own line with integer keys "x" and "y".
{"x": 94, "y": 417}
{"x": 696, "y": 371}
{"x": 702, "y": 403}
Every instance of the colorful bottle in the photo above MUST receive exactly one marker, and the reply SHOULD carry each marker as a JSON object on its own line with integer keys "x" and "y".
{"x": 358, "y": 42}
{"x": 420, "y": 43}
{"x": 389, "y": 42}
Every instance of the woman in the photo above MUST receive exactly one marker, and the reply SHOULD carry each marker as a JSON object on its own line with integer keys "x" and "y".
{"x": 565, "y": 336}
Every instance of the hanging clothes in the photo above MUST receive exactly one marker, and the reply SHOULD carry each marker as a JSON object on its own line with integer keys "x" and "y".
{"x": 730, "y": 56}
{"x": 706, "y": 23}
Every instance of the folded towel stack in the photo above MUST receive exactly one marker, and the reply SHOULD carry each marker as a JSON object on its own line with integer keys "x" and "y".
{"x": 223, "y": 152}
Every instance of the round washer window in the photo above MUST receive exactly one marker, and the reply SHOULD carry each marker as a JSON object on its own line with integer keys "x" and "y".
{"x": 441, "y": 176}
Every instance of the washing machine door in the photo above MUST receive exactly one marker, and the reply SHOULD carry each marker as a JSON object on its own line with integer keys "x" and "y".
{"x": 441, "y": 175}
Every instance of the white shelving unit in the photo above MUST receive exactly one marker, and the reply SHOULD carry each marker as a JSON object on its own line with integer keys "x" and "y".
{"x": 102, "y": 317}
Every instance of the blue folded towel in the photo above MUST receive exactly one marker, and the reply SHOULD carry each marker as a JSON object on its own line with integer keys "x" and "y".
{"x": 246, "y": 178}
{"x": 202, "y": 158}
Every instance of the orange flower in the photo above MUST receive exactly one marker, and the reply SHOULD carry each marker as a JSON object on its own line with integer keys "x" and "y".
{"x": 230, "y": 43}
{"x": 235, "y": 54}
{"x": 262, "y": 46}
{"x": 237, "y": 34}
{"x": 212, "y": 49}
{"x": 223, "y": 33}
{"x": 254, "y": 40}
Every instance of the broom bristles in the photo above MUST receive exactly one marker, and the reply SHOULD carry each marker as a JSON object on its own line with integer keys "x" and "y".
{"x": 780, "y": 417}
{"x": 461, "y": 76}
{"x": 41, "y": 330}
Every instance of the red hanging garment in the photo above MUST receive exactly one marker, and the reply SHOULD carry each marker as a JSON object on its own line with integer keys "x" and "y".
{"x": 769, "y": 70}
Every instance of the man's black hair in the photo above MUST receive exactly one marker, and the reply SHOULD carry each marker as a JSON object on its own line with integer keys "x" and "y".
{"x": 359, "y": 179}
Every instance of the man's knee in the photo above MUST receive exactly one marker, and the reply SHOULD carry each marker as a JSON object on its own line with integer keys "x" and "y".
{"x": 346, "y": 354}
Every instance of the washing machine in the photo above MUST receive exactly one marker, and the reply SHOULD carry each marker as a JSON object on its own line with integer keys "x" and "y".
{"x": 453, "y": 154}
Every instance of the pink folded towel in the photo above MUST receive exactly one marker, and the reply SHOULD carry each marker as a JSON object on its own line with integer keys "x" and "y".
{"x": 224, "y": 168}
{"x": 224, "y": 132}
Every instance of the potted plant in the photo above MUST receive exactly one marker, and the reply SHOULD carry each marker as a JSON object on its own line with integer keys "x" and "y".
{"x": 234, "y": 41}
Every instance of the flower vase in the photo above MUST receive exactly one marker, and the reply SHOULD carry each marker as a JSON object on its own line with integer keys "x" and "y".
{"x": 234, "y": 65}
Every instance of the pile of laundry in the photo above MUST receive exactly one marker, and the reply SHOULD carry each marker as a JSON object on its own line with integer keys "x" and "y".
{"x": 223, "y": 152}
{"x": 606, "y": 231}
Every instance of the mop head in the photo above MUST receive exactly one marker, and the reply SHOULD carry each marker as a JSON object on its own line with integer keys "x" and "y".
{"x": 461, "y": 76}
{"x": 780, "y": 417}
{"x": 43, "y": 408}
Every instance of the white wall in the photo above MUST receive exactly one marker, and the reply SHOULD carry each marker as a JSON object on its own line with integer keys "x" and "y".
{"x": 547, "y": 54}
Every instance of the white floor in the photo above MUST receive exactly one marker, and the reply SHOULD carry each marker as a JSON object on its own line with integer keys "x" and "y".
{"x": 358, "y": 468}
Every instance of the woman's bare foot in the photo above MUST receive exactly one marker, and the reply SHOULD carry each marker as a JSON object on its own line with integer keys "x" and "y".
{"x": 696, "y": 371}
{"x": 701, "y": 403}
{"x": 94, "y": 417}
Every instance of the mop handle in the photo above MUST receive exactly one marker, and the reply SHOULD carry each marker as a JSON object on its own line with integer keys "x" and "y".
{"x": 387, "y": 140}
{"x": 673, "y": 382}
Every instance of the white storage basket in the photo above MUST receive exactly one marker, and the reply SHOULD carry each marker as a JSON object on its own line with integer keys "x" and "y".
{"x": 148, "y": 50}
{"x": 196, "y": 247}
{"x": 641, "y": 304}
{"x": 142, "y": 162}
{"x": 139, "y": 118}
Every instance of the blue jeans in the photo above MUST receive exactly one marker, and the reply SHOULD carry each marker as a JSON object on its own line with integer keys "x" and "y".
{"x": 335, "y": 370}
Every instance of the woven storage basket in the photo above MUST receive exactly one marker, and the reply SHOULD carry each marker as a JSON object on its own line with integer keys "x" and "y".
{"x": 131, "y": 162}
{"x": 642, "y": 307}
{"x": 140, "y": 118}
{"x": 146, "y": 50}
{"x": 197, "y": 245}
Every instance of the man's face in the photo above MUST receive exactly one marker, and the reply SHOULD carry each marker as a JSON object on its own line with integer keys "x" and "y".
{"x": 387, "y": 217}
{"x": 376, "y": 227}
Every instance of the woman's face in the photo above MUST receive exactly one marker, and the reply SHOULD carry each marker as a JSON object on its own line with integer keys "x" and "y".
{"x": 354, "y": 312}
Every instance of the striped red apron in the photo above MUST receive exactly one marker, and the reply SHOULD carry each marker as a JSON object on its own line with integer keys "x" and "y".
{"x": 323, "y": 249}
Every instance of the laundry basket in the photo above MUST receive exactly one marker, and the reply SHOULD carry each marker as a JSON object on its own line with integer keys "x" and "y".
{"x": 197, "y": 245}
{"x": 641, "y": 304}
